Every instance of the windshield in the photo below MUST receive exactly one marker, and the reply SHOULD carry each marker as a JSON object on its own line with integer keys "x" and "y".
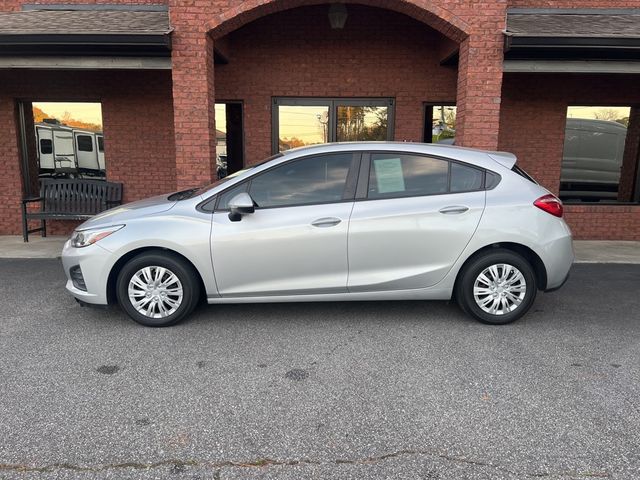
{"x": 192, "y": 192}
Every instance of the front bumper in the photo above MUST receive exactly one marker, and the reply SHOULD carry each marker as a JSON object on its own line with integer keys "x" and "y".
{"x": 95, "y": 264}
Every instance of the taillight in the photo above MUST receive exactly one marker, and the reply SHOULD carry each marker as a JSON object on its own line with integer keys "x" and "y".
{"x": 550, "y": 204}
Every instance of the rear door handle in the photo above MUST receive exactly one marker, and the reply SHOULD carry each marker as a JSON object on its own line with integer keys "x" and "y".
{"x": 454, "y": 210}
{"x": 326, "y": 222}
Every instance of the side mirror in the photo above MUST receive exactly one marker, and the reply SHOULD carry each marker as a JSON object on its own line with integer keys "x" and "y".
{"x": 240, "y": 205}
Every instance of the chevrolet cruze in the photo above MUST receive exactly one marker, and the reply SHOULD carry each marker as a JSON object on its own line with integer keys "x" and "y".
{"x": 336, "y": 222}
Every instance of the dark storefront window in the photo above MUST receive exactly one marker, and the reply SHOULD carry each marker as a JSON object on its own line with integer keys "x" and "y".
{"x": 600, "y": 157}
{"x": 308, "y": 121}
{"x": 229, "y": 138}
{"x": 440, "y": 123}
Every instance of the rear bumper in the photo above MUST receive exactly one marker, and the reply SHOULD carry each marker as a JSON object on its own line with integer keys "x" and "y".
{"x": 549, "y": 290}
{"x": 558, "y": 258}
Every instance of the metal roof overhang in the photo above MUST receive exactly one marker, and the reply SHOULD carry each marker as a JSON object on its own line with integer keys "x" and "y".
{"x": 572, "y": 40}
{"x": 101, "y": 47}
{"x": 571, "y": 55}
{"x": 603, "y": 48}
{"x": 85, "y": 45}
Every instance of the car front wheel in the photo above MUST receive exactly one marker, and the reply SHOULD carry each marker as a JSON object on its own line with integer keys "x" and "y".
{"x": 157, "y": 289}
{"x": 497, "y": 287}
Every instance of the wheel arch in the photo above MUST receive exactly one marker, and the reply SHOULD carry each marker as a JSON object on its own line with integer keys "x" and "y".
{"x": 527, "y": 253}
{"x": 121, "y": 262}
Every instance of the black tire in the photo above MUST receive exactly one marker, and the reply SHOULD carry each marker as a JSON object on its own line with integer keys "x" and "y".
{"x": 186, "y": 274}
{"x": 472, "y": 270}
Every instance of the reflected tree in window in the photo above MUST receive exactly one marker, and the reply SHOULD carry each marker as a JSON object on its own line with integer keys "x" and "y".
{"x": 356, "y": 123}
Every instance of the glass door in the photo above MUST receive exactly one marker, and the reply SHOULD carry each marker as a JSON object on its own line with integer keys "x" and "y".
{"x": 308, "y": 121}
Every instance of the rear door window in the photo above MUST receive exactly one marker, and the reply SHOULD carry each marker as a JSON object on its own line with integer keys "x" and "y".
{"x": 393, "y": 175}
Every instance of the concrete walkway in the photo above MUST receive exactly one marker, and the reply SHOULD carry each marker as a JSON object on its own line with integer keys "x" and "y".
{"x": 12, "y": 246}
{"x": 606, "y": 251}
{"x": 587, "y": 251}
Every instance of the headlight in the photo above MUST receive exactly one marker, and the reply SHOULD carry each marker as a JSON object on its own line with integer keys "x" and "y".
{"x": 84, "y": 238}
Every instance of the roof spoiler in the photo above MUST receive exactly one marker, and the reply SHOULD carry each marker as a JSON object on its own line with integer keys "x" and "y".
{"x": 505, "y": 159}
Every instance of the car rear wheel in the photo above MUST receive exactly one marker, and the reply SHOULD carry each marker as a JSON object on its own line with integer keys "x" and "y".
{"x": 497, "y": 287}
{"x": 158, "y": 289}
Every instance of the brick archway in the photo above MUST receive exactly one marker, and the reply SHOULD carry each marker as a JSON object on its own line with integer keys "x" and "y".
{"x": 476, "y": 27}
{"x": 425, "y": 11}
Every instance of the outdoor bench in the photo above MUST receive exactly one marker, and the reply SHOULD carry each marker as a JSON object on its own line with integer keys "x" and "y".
{"x": 69, "y": 199}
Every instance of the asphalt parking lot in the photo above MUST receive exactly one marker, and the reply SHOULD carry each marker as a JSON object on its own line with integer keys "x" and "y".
{"x": 411, "y": 390}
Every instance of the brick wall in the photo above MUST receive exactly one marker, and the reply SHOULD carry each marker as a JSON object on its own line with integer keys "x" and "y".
{"x": 11, "y": 191}
{"x": 533, "y": 119}
{"x": 600, "y": 222}
{"x": 138, "y": 130}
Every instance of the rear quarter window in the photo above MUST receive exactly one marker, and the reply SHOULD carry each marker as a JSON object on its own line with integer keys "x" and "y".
{"x": 465, "y": 179}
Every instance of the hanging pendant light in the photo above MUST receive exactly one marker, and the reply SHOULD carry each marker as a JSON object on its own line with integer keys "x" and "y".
{"x": 338, "y": 15}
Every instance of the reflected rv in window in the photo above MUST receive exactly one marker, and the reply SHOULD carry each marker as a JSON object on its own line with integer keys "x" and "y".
{"x": 69, "y": 140}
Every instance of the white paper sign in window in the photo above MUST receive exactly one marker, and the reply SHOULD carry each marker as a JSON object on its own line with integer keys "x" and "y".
{"x": 389, "y": 175}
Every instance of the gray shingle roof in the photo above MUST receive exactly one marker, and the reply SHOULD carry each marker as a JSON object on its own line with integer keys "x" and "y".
{"x": 102, "y": 22}
{"x": 589, "y": 25}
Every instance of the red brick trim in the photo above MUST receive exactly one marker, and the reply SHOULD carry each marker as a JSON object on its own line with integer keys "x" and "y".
{"x": 604, "y": 222}
{"x": 429, "y": 12}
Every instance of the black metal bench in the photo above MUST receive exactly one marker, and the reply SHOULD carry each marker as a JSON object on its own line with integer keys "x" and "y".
{"x": 69, "y": 199}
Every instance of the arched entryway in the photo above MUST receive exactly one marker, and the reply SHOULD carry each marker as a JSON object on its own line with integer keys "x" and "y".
{"x": 436, "y": 16}
{"x": 408, "y": 53}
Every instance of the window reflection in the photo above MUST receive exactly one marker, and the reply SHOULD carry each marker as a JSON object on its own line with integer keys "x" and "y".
{"x": 68, "y": 139}
{"x": 302, "y": 125}
{"x": 318, "y": 179}
{"x": 309, "y": 121}
{"x": 357, "y": 124}
{"x": 597, "y": 163}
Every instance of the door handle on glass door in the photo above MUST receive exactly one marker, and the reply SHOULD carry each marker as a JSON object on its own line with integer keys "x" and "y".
{"x": 454, "y": 209}
{"x": 326, "y": 222}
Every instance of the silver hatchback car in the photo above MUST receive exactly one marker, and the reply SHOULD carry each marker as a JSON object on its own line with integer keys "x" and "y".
{"x": 347, "y": 221}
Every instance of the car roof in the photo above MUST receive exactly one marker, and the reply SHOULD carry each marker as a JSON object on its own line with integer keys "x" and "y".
{"x": 482, "y": 158}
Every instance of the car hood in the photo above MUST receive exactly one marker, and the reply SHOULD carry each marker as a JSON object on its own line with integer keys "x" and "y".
{"x": 128, "y": 211}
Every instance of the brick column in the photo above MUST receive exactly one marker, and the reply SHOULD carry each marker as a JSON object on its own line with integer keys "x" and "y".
{"x": 479, "y": 90}
{"x": 193, "y": 108}
{"x": 629, "y": 170}
{"x": 12, "y": 190}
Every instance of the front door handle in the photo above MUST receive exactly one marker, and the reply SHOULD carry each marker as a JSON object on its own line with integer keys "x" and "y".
{"x": 326, "y": 222}
{"x": 454, "y": 210}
